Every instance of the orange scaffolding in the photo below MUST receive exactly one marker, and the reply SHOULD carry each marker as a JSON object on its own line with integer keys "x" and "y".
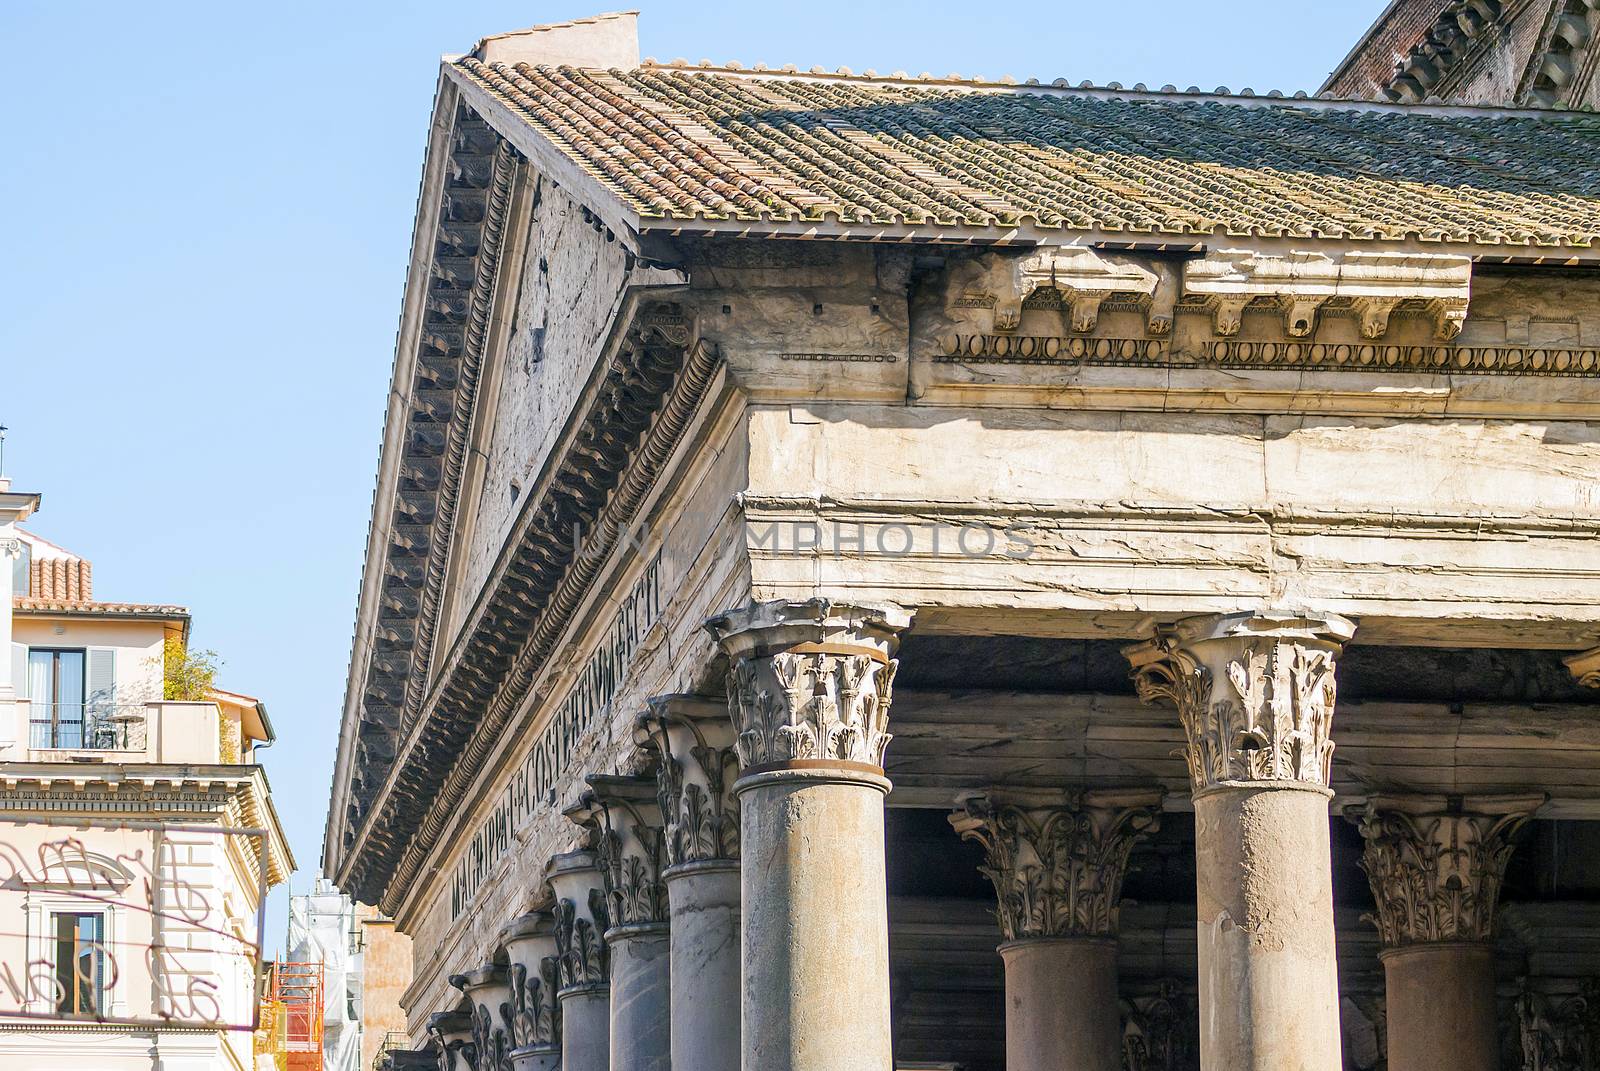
{"x": 297, "y": 989}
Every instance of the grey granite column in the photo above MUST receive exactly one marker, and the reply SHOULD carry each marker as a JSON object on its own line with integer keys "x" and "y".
{"x": 489, "y": 990}
{"x": 1255, "y": 694}
{"x": 693, "y": 738}
{"x": 1057, "y": 861}
{"x": 809, "y": 691}
{"x": 1436, "y": 865}
{"x": 628, "y": 850}
{"x": 584, "y": 961}
{"x": 534, "y": 977}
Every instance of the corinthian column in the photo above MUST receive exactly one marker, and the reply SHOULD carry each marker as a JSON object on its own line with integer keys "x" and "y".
{"x": 451, "y": 1035}
{"x": 584, "y": 961}
{"x": 694, "y": 781}
{"x": 1057, "y": 863}
{"x": 809, "y": 689}
{"x": 1435, "y": 865}
{"x": 490, "y": 993}
{"x": 534, "y": 977}
{"x": 628, "y": 850}
{"x": 1255, "y": 694}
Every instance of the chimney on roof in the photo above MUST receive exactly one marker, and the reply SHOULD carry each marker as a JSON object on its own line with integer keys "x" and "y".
{"x": 599, "y": 42}
{"x": 61, "y": 579}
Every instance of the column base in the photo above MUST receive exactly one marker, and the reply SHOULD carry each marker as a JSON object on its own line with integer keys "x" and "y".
{"x": 1061, "y": 1004}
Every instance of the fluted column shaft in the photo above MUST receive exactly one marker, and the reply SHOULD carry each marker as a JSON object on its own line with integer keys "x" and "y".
{"x": 693, "y": 738}
{"x": 1435, "y": 865}
{"x": 1255, "y": 694}
{"x": 583, "y": 960}
{"x": 809, "y": 691}
{"x": 1057, "y": 864}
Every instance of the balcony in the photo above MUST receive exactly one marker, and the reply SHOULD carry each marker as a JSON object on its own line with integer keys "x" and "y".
{"x": 80, "y": 727}
{"x": 164, "y": 731}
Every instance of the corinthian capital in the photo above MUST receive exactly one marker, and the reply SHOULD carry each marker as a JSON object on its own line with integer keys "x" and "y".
{"x": 490, "y": 993}
{"x": 534, "y": 976}
{"x": 1585, "y": 667}
{"x": 628, "y": 849}
{"x": 694, "y": 740}
{"x": 1436, "y": 863}
{"x": 581, "y": 919}
{"x": 1255, "y": 693}
{"x": 451, "y": 1033}
{"x": 809, "y": 681}
{"x": 1057, "y": 860}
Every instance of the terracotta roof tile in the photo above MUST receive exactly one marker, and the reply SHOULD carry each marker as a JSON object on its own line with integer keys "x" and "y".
{"x": 677, "y": 144}
{"x": 27, "y": 604}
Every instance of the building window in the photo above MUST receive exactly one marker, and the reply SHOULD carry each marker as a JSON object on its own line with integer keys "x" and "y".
{"x": 55, "y": 698}
{"x": 22, "y": 572}
{"x": 80, "y": 962}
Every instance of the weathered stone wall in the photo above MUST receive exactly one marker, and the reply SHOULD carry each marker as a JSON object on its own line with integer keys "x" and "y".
{"x": 568, "y": 287}
{"x": 695, "y": 527}
{"x": 1368, "y": 71}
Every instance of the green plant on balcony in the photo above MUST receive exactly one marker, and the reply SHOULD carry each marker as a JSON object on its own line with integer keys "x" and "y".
{"x": 186, "y": 676}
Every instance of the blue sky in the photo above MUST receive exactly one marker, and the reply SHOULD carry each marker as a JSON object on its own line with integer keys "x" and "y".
{"x": 210, "y": 209}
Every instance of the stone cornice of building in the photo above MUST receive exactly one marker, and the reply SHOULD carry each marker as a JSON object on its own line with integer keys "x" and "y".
{"x": 621, "y": 437}
{"x": 645, "y": 391}
{"x": 235, "y": 795}
{"x": 461, "y": 226}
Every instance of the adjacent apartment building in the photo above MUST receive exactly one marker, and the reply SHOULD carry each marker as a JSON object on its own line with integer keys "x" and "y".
{"x": 137, "y": 834}
{"x": 886, "y": 571}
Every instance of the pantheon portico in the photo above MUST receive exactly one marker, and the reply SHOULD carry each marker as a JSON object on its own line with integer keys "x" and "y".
{"x": 889, "y": 574}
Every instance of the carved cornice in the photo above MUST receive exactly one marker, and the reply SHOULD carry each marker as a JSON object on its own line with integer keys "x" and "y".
{"x": 451, "y": 1033}
{"x": 1436, "y": 863}
{"x": 1465, "y": 28}
{"x": 1159, "y": 1030}
{"x": 809, "y": 681}
{"x": 581, "y": 919}
{"x": 535, "y": 977}
{"x": 1057, "y": 861}
{"x": 1255, "y": 693}
{"x": 633, "y": 423}
{"x": 1585, "y": 667}
{"x": 1301, "y": 283}
{"x": 629, "y": 851}
{"x": 463, "y": 271}
{"x": 489, "y": 990}
{"x": 696, "y": 768}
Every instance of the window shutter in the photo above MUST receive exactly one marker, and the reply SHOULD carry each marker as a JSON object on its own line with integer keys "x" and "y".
{"x": 19, "y": 669}
{"x": 102, "y": 682}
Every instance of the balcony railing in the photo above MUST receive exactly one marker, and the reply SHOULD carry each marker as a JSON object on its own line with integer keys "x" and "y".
{"x": 79, "y": 727}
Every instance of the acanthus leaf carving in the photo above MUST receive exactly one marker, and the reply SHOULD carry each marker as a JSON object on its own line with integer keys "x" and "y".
{"x": 1559, "y": 1031}
{"x": 1255, "y": 693}
{"x": 1057, "y": 860}
{"x": 452, "y": 1036}
{"x": 1436, "y": 863}
{"x": 697, "y": 766}
{"x": 628, "y": 849}
{"x": 1161, "y": 1030}
{"x": 535, "y": 976}
{"x": 581, "y": 918}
